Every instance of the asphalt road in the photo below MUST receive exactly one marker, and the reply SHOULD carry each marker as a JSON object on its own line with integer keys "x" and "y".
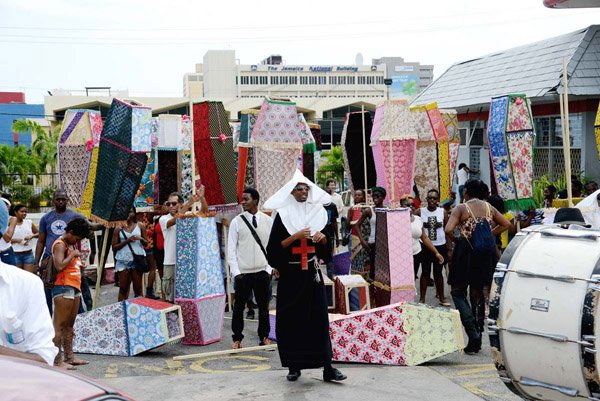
{"x": 154, "y": 375}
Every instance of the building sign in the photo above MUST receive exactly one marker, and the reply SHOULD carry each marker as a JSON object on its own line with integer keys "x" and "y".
{"x": 404, "y": 85}
{"x": 317, "y": 68}
{"x": 404, "y": 68}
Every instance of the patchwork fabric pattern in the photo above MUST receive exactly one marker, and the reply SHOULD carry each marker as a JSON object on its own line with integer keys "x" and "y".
{"x": 119, "y": 126}
{"x": 519, "y": 116}
{"x": 398, "y": 334}
{"x": 437, "y": 122}
{"x": 144, "y": 198}
{"x": 421, "y": 124}
{"x": 277, "y": 122}
{"x": 426, "y": 166}
{"x": 450, "y": 118}
{"x": 88, "y": 192}
{"x": 102, "y": 331}
{"x": 273, "y": 167}
{"x": 498, "y": 148}
{"x": 170, "y": 130}
{"x": 399, "y": 157}
{"x": 141, "y": 132}
{"x": 187, "y": 175}
{"x": 144, "y": 328}
{"x": 73, "y": 164}
{"x": 198, "y": 270}
{"x": 394, "y": 273}
{"x": 443, "y": 151}
{"x": 185, "y": 139}
{"x": 520, "y": 145}
{"x": 203, "y": 319}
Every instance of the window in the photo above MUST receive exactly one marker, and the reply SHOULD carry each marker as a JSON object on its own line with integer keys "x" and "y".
{"x": 370, "y": 80}
{"x": 245, "y": 80}
{"x": 313, "y": 80}
{"x": 263, "y": 80}
{"x": 361, "y": 80}
{"x": 351, "y": 80}
{"x": 380, "y": 80}
{"x": 303, "y": 80}
{"x": 254, "y": 80}
{"x": 332, "y": 80}
{"x": 323, "y": 80}
{"x": 293, "y": 80}
{"x": 274, "y": 80}
{"x": 283, "y": 80}
{"x": 342, "y": 80}
{"x": 548, "y": 146}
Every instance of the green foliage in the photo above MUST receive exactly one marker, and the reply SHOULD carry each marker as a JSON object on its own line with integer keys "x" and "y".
{"x": 45, "y": 149}
{"x": 15, "y": 162}
{"x": 22, "y": 193}
{"x": 544, "y": 181}
{"x": 331, "y": 166}
{"x": 48, "y": 193}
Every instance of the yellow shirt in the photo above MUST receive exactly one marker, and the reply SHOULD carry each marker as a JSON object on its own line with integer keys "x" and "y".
{"x": 504, "y": 235}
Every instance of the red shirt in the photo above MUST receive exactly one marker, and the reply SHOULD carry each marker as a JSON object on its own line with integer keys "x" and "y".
{"x": 160, "y": 240}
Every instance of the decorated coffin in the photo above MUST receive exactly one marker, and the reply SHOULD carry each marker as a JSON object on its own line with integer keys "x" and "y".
{"x": 341, "y": 263}
{"x": 356, "y": 141}
{"x": 203, "y": 319}
{"x": 351, "y": 293}
{"x": 398, "y": 334}
{"x": 198, "y": 271}
{"x": 127, "y": 328}
{"x": 394, "y": 267}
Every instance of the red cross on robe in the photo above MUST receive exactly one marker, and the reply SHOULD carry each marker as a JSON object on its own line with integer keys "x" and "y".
{"x": 303, "y": 250}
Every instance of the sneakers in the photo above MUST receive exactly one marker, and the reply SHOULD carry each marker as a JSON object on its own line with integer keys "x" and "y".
{"x": 250, "y": 314}
{"x": 293, "y": 375}
{"x": 265, "y": 341}
{"x": 236, "y": 345}
{"x": 333, "y": 374}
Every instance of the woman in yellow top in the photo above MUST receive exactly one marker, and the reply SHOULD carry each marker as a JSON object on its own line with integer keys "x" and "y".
{"x": 66, "y": 293}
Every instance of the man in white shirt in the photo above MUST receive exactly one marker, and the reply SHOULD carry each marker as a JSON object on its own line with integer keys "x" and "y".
{"x": 336, "y": 199}
{"x": 462, "y": 176}
{"x": 248, "y": 265}
{"x": 167, "y": 223}
{"x": 22, "y": 299}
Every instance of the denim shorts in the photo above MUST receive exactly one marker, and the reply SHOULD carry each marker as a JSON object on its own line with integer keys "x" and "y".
{"x": 122, "y": 265}
{"x": 65, "y": 291}
{"x": 25, "y": 258}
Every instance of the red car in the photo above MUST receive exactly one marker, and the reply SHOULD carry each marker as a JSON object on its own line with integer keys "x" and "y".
{"x": 24, "y": 380}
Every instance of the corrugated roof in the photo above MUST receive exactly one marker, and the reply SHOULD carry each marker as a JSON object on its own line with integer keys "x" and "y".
{"x": 533, "y": 69}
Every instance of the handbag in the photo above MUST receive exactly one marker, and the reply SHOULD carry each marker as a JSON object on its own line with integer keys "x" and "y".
{"x": 48, "y": 271}
{"x": 139, "y": 261}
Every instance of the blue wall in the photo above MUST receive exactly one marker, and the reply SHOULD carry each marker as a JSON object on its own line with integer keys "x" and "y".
{"x": 15, "y": 111}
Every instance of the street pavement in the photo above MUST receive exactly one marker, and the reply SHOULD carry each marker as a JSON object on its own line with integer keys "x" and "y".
{"x": 154, "y": 375}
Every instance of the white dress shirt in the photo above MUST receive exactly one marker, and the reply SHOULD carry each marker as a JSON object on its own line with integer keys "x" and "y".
{"x": 232, "y": 244}
{"x": 22, "y": 292}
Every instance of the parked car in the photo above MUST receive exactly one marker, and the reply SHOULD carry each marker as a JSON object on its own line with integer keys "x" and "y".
{"x": 25, "y": 380}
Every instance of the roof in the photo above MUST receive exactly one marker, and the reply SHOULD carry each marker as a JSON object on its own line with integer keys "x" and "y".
{"x": 534, "y": 70}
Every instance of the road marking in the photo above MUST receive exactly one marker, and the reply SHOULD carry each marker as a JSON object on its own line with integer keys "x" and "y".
{"x": 112, "y": 371}
{"x": 259, "y": 366}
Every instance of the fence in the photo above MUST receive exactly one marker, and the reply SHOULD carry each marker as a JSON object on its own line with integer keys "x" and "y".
{"x": 33, "y": 191}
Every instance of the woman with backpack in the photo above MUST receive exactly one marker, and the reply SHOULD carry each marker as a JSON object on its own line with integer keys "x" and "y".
{"x": 473, "y": 257}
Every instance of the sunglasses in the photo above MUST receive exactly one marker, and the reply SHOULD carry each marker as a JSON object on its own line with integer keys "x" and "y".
{"x": 301, "y": 188}
{"x": 433, "y": 197}
{"x": 171, "y": 203}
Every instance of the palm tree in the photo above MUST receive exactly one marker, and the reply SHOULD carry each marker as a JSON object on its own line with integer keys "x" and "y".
{"x": 15, "y": 161}
{"x": 44, "y": 147}
{"x": 332, "y": 166}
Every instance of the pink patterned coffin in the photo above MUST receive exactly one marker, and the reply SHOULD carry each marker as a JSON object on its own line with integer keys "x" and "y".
{"x": 399, "y": 334}
{"x": 394, "y": 271}
{"x": 202, "y": 319}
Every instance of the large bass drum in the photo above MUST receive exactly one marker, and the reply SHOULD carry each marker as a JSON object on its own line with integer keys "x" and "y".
{"x": 544, "y": 314}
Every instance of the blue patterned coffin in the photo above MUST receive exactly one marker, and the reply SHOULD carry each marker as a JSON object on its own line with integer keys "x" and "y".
{"x": 198, "y": 270}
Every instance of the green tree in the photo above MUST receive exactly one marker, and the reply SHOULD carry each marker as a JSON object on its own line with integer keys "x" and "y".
{"x": 45, "y": 149}
{"x": 15, "y": 162}
{"x": 332, "y": 166}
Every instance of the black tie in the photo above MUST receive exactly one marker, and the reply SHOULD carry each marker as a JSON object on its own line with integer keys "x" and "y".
{"x": 254, "y": 222}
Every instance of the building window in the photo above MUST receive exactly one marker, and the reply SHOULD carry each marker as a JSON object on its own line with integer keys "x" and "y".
{"x": 313, "y": 80}
{"x": 351, "y": 80}
{"x": 274, "y": 80}
{"x": 254, "y": 80}
{"x": 293, "y": 80}
{"x": 379, "y": 80}
{"x": 283, "y": 80}
{"x": 303, "y": 80}
{"x": 263, "y": 80}
{"x": 548, "y": 147}
{"x": 361, "y": 80}
{"x": 245, "y": 80}
{"x": 332, "y": 80}
{"x": 322, "y": 80}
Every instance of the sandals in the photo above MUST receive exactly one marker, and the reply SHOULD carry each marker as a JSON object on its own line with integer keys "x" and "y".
{"x": 236, "y": 345}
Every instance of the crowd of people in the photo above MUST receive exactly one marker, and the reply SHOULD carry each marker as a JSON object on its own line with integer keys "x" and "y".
{"x": 462, "y": 239}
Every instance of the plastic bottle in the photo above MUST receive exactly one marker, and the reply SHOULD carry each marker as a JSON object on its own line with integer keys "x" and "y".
{"x": 14, "y": 329}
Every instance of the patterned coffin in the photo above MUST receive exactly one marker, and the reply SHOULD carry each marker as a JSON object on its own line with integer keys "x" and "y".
{"x": 398, "y": 334}
{"x": 394, "y": 272}
{"x": 198, "y": 270}
{"x": 127, "y": 328}
{"x": 152, "y": 323}
{"x": 351, "y": 293}
{"x": 203, "y": 319}
{"x": 354, "y": 145}
{"x": 272, "y": 320}
{"x": 102, "y": 331}
{"x": 341, "y": 263}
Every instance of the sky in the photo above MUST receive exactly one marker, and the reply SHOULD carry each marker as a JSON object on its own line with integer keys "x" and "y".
{"x": 146, "y": 46}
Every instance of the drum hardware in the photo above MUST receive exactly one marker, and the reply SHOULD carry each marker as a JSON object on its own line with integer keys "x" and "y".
{"x": 590, "y": 338}
{"x": 574, "y": 234}
{"x": 571, "y": 392}
{"x": 565, "y": 279}
{"x": 554, "y": 337}
{"x": 590, "y": 350}
{"x": 490, "y": 321}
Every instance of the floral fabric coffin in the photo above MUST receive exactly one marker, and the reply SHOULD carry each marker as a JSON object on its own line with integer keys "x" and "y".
{"x": 398, "y": 334}
{"x": 198, "y": 271}
{"x": 394, "y": 270}
{"x": 127, "y": 328}
{"x": 203, "y": 319}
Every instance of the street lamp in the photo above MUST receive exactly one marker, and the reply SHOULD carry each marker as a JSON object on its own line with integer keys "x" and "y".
{"x": 388, "y": 83}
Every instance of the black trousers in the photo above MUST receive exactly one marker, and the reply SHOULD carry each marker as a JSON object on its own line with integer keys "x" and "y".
{"x": 244, "y": 285}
